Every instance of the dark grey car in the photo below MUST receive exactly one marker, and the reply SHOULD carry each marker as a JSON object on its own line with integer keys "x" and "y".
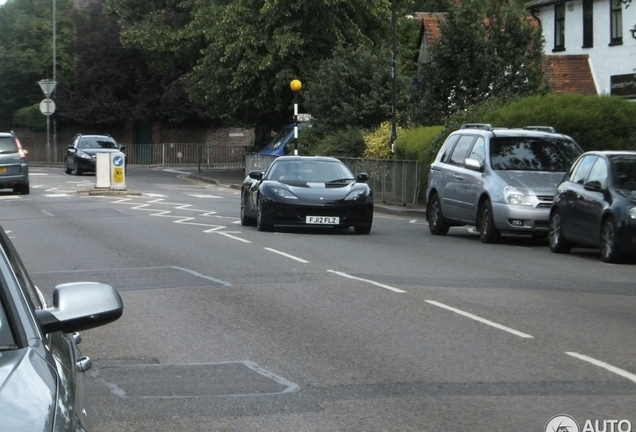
{"x": 81, "y": 153}
{"x": 41, "y": 368}
{"x": 14, "y": 169}
{"x": 499, "y": 180}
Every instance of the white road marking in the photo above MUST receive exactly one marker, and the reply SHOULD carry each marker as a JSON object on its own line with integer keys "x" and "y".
{"x": 9, "y": 197}
{"x": 630, "y": 376}
{"x": 37, "y": 174}
{"x": 192, "y": 272}
{"x": 203, "y": 196}
{"x": 58, "y": 195}
{"x": 153, "y": 195}
{"x": 226, "y": 234}
{"x": 481, "y": 320}
{"x": 48, "y": 213}
{"x": 348, "y": 276}
{"x": 287, "y": 255}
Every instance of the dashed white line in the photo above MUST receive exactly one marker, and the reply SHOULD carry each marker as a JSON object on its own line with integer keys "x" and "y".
{"x": 287, "y": 255}
{"x": 348, "y": 276}
{"x": 630, "y": 376}
{"x": 481, "y": 320}
{"x": 226, "y": 234}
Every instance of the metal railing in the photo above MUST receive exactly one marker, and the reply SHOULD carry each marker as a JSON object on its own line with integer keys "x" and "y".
{"x": 203, "y": 155}
{"x": 393, "y": 181}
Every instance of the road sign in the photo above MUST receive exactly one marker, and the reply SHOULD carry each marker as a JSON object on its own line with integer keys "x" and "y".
{"x": 47, "y": 106}
{"x": 118, "y": 161}
{"x": 47, "y": 87}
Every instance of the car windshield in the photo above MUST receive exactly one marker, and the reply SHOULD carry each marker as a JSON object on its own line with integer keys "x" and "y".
{"x": 309, "y": 171}
{"x": 95, "y": 143}
{"x": 279, "y": 138}
{"x": 624, "y": 169}
{"x": 8, "y": 145}
{"x": 532, "y": 154}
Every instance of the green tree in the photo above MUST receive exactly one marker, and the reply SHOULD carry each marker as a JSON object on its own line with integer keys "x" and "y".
{"x": 486, "y": 49}
{"x": 26, "y": 52}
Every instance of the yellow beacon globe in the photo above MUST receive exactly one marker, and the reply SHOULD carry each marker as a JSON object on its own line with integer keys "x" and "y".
{"x": 295, "y": 85}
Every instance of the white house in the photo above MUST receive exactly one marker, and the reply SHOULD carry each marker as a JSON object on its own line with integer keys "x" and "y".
{"x": 603, "y": 32}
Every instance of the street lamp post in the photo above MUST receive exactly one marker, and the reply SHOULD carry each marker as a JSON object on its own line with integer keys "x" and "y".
{"x": 393, "y": 76}
{"x": 295, "y": 85}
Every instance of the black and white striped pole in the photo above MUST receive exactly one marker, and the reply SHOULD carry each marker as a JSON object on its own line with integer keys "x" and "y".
{"x": 296, "y": 85}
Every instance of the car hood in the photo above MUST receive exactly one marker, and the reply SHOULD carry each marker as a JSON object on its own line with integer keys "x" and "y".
{"x": 93, "y": 152}
{"x": 629, "y": 195}
{"x": 321, "y": 190}
{"x": 537, "y": 182}
{"x": 27, "y": 392}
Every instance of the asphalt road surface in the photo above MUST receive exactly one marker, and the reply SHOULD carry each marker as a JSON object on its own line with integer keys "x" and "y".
{"x": 226, "y": 328}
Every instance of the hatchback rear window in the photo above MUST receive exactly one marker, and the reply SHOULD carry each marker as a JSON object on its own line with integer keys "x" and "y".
{"x": 8, "y": 145}
{"x": 532, "y": 154}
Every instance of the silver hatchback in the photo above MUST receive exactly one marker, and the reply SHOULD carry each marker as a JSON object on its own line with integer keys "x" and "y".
{"x": 14, "y": 170}
{"x": 498, "y": 180}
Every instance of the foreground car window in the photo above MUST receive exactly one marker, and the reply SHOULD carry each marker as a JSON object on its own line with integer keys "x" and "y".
{"x": 624, "y": 173}
{"x": 7, "y": 341}
{"x": 532, "y": 154}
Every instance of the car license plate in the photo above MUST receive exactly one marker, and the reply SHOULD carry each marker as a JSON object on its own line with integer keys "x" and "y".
{"x": 3, "y": 170}
{"x": 322, "y": 220}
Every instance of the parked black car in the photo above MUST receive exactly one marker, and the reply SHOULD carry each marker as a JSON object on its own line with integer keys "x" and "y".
{"x": 81, "y": 153}
{"x": 41, "y": 368}
{"x": 595, "y": 206}
{"x": 14, "y": 169}
{"x": 309, "y": 191}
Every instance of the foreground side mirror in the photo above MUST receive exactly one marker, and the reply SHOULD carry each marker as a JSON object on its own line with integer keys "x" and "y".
{"x": 80, "y": 306}
{"x": 256, "y": 175}
{"x": 473, "y": 164}
{"x": 362, "y": 177}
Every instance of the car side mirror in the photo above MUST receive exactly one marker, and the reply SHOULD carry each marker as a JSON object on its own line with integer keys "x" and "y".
{"x": 256, "y": 175}
{"x": 594, "y": 186}
{"x": 362, "y": 177}
{"x": 122, "y": 148}
{"x": 473, "y": 164}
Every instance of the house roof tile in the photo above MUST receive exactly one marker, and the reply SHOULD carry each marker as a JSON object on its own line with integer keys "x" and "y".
{"x": 571, "y": 74}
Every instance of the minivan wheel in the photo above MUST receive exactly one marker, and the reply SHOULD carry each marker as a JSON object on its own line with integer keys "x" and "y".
{"x": 437, "y": 224}
{"x": 488, "y": 233}
{"x": 558, "y": 243}
{"x": 609, "y": 249}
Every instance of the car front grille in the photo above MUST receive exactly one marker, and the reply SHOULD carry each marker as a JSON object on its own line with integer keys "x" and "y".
{"x": 545, "y": 201}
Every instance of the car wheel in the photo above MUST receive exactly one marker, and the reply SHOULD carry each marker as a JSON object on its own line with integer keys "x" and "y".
{"x": 609, "y": 249}
{"x": 22, "y": 189}
{"x": 362, "y": 229}
{"x": 488, "y": 233}
{"x": 246, "y": 221}
{"x": 78, "y": 170}
{"x": 437, "y": 224}
{"x": 67, "y": 170}
{"x": 558, "y": 243}
{"x": 261, "y": 225}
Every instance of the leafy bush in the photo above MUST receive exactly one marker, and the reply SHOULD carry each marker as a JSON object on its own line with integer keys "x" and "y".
{"x": 595, "y": 122}
{"x": 30, "y": 118}
{"x": 335, "y": 143}
{"x": 378, "y": 142}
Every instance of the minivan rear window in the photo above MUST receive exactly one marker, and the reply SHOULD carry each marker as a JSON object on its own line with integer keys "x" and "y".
{"x": 532, "y": 154}
{"x": 8, "y": 145}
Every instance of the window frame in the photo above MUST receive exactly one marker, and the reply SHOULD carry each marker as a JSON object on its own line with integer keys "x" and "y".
{"x": 559, "y": 27}
{"x": 616, "y": 22}
{"x": 588, "y": 23}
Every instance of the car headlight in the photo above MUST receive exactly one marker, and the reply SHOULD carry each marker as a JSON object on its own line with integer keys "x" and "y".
{"x": 512, "y": 195}
{"x": 283, "y": 193}
{"x": 631, "y": 211}
{"x": 84, "y": 155}
{"x": 355, "y": 194}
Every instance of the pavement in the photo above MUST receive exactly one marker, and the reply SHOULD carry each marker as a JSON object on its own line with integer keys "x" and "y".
{"x": 234, "y": 179}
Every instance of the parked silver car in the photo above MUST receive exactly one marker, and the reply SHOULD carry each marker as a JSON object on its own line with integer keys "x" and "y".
{"x": 41, "y": 368}
{"x": 14, "y": 169}
{"x": 499, "y": 180}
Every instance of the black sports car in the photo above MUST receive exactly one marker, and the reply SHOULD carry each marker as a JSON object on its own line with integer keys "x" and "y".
{"x": 595, "y": 206}
{"x": 309, "y": 191}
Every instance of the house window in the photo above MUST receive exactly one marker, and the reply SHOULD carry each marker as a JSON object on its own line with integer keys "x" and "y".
{"x": 588, "y": 23}
{"x": 616, "y": 22}
{"x": 559, "y": 27}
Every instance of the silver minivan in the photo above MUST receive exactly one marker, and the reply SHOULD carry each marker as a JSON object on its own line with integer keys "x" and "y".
{"x": 14, "y": 170}
{"x": 498, "y": 180}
